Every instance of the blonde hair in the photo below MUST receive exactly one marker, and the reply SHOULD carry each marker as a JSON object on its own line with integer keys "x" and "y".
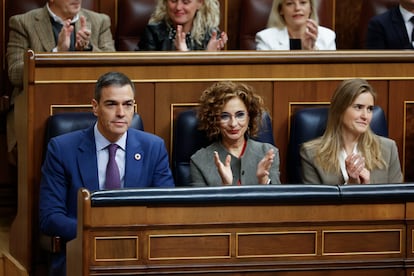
{"x": 330, "y": 144}
{"x": 206, "y": 19}
{"x": 277, "y": 20}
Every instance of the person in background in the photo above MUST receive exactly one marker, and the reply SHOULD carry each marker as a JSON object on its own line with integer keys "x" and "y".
{"x": 230, "y": 113}
{"x": 293, "y": 25}
{"x": 61, "y": 25}
{"x": 349, "y": 152}
{"x": 81, "y": 159}
{"x": 392, "y": 29}
{"x": 184, "y": 25}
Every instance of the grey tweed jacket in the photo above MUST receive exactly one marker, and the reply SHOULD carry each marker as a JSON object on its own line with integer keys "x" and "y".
{"x": 204, "y": 171}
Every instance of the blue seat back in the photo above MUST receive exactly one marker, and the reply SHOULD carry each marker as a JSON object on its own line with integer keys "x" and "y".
{"x": 62, "y": 123}
{"x": 187, "y": 139}
{"x": 310, "y": 123}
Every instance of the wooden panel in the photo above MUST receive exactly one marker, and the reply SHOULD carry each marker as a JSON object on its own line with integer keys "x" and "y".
{"x": 363, "y": 242}
{"x": 116, "y": 248}
{"x": 331, "y": 242}
{"x": 401, "y": 117}
{"x": 173, "y": 97}
{"x": 187, "y": 246}
{"x": 276, "y": 244}
{"x": 168, "y": 82}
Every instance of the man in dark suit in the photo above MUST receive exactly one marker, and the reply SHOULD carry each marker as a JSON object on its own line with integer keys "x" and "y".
{"x": 392, "y": 29}
{"x": 61, "y": 25}
{"x": 79, "y": 159}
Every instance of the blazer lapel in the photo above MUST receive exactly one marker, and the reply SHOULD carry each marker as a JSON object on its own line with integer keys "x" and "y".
{"x": 400, "y": 29}
{"x": 134, "y": 162}
{"x": 86, "y": 161}
{"x": 282, "y": 39}
{"x": 44, "y": 30}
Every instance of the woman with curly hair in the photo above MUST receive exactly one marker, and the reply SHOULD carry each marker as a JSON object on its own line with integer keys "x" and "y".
{"x": 230, "y": 113}
{"x": 184, "y": 25}
{"x": 349, "y": 152}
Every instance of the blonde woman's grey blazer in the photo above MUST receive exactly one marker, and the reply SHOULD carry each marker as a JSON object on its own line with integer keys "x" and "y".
{"x": 314, "y": 174}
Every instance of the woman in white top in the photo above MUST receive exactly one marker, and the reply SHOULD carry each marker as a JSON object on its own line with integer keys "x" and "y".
{"x": 295, "y": 21}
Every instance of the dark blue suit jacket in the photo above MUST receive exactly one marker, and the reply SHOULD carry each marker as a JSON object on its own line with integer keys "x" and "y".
{"x": 71, "y": 164}
{"x": 387, "y": 31}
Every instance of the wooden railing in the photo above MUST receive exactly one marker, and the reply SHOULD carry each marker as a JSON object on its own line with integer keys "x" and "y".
{"x": 170, "y": 82}
{"x": 249, "y": 230}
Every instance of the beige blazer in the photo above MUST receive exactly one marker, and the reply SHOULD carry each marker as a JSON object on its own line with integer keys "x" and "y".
{"x": 33, "y": 30}
{"x": 313, "y": 174}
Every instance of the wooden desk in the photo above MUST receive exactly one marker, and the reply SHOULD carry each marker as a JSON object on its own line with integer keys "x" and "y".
{"x": 170, "y": 82}
{"x": 241, "y": 234}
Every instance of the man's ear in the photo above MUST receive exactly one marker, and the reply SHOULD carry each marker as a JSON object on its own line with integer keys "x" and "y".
{"x": 94, "y": 106}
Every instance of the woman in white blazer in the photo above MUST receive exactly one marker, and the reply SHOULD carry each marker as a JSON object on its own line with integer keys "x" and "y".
{"x": 293, "y": 21}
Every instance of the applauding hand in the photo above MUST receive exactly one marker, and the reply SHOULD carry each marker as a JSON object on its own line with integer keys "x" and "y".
{"x": 224, "y": 169}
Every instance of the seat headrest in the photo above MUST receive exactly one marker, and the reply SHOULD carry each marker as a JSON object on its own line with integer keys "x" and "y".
{"x": 187, "y": 139}
{"x": 62, "y": 123}
{"x": 310, "y": 123}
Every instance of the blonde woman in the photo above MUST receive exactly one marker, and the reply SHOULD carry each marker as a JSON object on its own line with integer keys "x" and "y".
{"x": 292, "y": 25}
{"x": 184, "y": 25}
{"x": 349, "y": 152}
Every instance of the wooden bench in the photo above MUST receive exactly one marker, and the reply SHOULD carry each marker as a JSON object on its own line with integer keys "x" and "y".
{"x": 262, "y": 230}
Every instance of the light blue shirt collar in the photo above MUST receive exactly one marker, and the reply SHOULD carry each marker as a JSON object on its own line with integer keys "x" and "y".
{"x": 101, "y": 142}
{"x": 58, "y": 19}
{"x": 406, "y": 14}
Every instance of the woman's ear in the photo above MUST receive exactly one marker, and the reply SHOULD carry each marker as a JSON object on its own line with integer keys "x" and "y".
{"x": 200, "y": 4}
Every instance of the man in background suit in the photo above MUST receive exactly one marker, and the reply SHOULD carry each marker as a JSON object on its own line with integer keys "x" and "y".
{"x": 79, "y": 159}
{"x": 61, "y": 25}
{"x": 392, "y": 29}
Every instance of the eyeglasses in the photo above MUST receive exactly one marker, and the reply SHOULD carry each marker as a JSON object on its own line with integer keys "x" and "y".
{"x": 239, "y": 116}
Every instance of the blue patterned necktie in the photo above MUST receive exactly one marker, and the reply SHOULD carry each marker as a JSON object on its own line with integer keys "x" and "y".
{"x": 112, "y": 180}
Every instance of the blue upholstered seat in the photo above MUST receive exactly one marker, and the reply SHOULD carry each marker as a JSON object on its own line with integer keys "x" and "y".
{"x": 310, "y": 123}
{"x": 62, "y": 123}
{"x": 187, "y": 139}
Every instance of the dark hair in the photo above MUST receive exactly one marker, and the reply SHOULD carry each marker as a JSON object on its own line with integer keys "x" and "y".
{"x": 214, "y": 98}
{"x": 111, "y": 79}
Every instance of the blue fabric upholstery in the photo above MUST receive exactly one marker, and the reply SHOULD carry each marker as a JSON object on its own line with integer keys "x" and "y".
{"x": 310, "y": 123}
{"x": 62, "y": 123}
{"x": 254, "y": 194}
{"x": 275, "y": 194}
{"x": 187, "y": 139}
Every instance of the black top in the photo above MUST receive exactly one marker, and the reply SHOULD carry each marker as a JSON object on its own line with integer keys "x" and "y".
{"x": 160, "y": 37}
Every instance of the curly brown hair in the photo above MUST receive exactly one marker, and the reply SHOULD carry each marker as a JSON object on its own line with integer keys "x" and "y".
{"x": 214, "y": 98}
